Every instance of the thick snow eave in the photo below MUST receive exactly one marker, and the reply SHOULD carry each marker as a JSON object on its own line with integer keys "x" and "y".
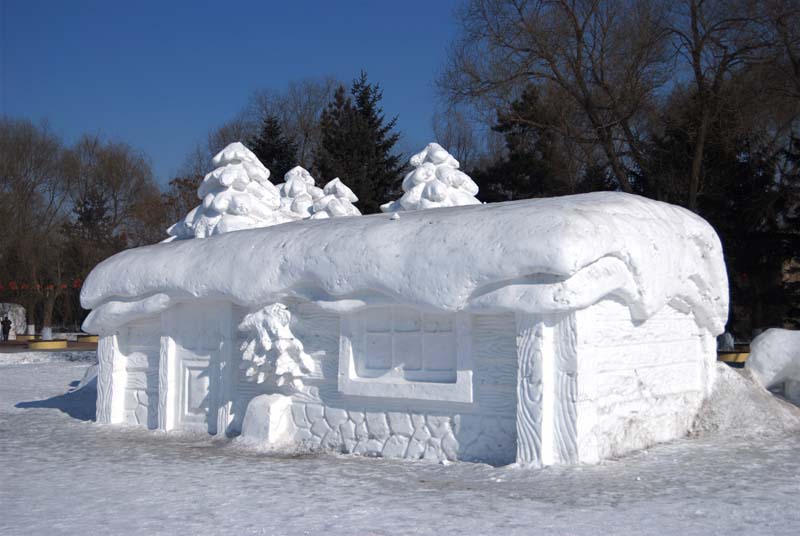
{"x": 540, "y": 255}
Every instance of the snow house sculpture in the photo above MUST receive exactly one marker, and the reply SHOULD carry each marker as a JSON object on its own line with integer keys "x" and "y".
{"x": 549, "y": 331}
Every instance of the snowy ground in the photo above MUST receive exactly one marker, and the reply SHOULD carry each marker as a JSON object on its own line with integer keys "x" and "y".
{"x": 62, "y": 474}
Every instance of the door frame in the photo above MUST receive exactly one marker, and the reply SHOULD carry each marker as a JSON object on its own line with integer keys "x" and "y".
{"x": 171, "y": 386}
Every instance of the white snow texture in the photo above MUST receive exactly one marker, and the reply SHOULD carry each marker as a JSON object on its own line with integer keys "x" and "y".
{"x": 236, "y": 195}
{"x": 271, "y": 351}
{"x": 62, "y": 475}
{"x": 337, "y": 202}
{"x": 301, "y": 197}
{"x": 434, "y": 182}
{"x": 535, "y": 256}
{"x": 775, "y": 361}
{"x": 298, "y": 192}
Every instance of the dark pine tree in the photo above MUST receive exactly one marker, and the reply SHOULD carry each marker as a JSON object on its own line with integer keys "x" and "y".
{"x": 274, "y": 149}
{"x": 531, "y": 163}
{"x": 357, "y": 144}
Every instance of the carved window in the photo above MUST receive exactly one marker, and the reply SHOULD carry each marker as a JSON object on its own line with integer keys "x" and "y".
{"x": 410, "y": 353}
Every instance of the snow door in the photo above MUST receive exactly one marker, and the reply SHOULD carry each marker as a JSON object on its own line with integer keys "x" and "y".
{"x": 200, "y": 336}
{"x": 546, "y": 389}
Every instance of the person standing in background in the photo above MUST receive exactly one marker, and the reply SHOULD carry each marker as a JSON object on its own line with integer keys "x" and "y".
{"x": 6, "y": 324}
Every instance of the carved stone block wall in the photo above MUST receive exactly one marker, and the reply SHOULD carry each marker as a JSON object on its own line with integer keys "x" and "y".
{"x": 483, "y": 430}
{"x": 405, "y": 434}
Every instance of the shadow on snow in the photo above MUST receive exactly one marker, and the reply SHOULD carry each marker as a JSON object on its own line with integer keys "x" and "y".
{"x": 78, "y": 403}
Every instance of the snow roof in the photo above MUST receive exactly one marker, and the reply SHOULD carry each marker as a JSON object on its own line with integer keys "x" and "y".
{"x": 538, "y": 256}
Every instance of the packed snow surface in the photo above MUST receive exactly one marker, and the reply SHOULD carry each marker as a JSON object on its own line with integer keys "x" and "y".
{"x": 739, "y": 404}
{"x": 300, "y": 196}
{"x": 336, "y": 203}
{"x": 236, "y": 195}
{"x": 62, "y": 474}
{"x": 775, "y": 361}
{"x": 538, "y": 256}
{"x": 26, "y": 357}
{"x": 299, "y": 192}
{"x": 434, "y": 182}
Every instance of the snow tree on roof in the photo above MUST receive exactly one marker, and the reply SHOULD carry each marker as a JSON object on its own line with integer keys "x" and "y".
{"x": 236, "y": 195}
{"x": 299, "y": 192}
{"x": 337, "y": 201}
{"x": 434, "y": 182}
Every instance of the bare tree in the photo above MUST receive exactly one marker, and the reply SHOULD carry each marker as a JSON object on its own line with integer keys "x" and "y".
{"x": 240, "y": 128}
{"x": 115, "y": 172}
{"x": 299, "y": 108}
{"x": 605, "y": 59}
{"x": 33, "y": 208}
{"x": 32, "y": 187}
{"x": 197, "y": 162}
{"x": 454, "y": 131}
{"x": 717, "y": 39}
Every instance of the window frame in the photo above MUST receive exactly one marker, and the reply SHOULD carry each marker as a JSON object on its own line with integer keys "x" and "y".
{"x": 393, "y": 385}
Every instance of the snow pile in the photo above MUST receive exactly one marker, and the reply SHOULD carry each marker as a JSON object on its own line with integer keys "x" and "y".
{"x": 725, "y": 343}
{"x": 435, "y": 182}
{"x": 271, "y": 352}
{"x": 298, "y": 192}
{"x": 236, "y": 195}
{"x": 337, "y": 201}
{"x": 739, "y": 405}
{"x": 775, "y": 361}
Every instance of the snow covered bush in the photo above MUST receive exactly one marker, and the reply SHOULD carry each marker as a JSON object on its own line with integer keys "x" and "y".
{"x": 271, "y": 351}
{"x": 299, "y": 192}
{"x": 434, "y": 182}
{"x": 337, "y": 201}
{"x": 236, "y": 195}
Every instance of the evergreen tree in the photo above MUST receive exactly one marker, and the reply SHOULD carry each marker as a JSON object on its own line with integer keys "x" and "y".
{"x": 277, "y": 152}
{"x": 534, "y": 163}
{"x": 357, "y": 144}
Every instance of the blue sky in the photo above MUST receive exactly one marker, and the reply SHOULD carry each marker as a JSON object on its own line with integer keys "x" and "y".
{"x": 160, "y": 75}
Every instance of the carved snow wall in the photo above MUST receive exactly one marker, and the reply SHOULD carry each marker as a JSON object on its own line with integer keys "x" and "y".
{"x": 397, "y": 382}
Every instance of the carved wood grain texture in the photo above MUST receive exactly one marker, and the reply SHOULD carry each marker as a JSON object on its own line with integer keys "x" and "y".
{"x": 164, "y": 418}
{"x": 529, "y": 390}
{"x": 494, "y": 337}
{"x": 565, "y": 391}
{"x": 105, "y": 383}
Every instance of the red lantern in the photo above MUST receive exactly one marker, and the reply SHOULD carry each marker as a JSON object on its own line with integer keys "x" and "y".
{"x": 63, "y": 286}
{"x": 24, "y": 286}
{"x": 12, "y": 285}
